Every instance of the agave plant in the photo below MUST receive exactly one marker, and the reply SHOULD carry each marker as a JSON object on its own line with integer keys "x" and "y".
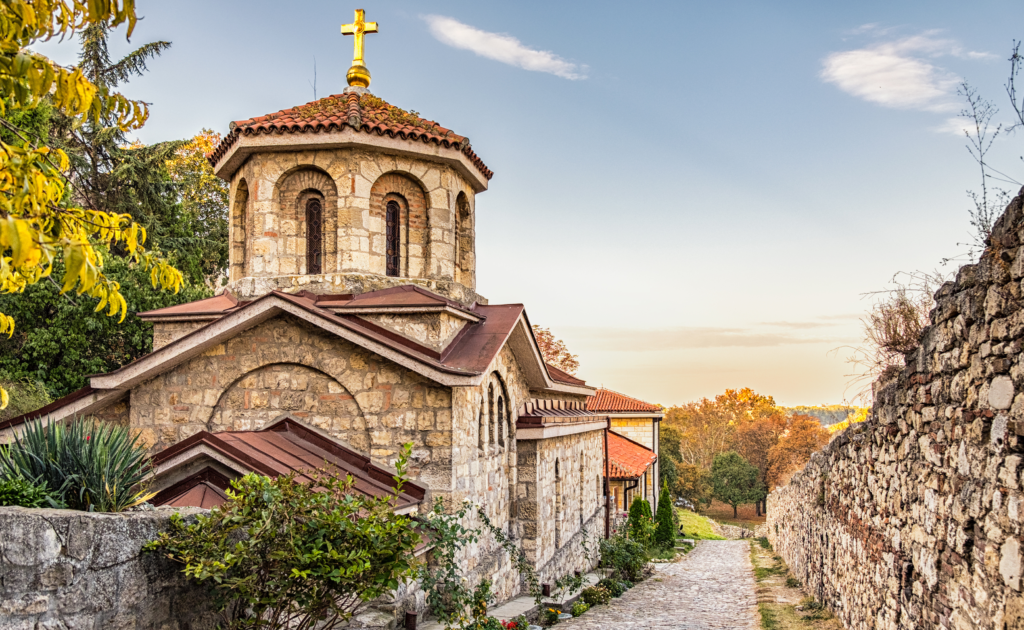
{"x": 92, "y": 466}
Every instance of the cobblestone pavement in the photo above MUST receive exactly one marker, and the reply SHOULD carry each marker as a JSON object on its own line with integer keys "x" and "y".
{"x": 712, "y": 588}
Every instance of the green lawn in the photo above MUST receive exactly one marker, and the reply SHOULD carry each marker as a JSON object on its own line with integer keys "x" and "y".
{"x": 696, "y": 526}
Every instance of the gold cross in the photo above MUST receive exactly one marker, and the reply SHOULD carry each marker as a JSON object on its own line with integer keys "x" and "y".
{"x": 359, "y": 27}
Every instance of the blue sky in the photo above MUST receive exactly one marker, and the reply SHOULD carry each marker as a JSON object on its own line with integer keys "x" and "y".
{"x": 695, "y": 196}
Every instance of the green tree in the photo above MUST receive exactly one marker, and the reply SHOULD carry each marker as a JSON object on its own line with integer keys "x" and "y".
{"x": 735, "y": 481}
{"x": 664, "y": 533}
{"x": 693, "y": 484}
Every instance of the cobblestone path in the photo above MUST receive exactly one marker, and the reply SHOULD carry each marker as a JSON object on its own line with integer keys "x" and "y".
{"x": 711, "y": 588}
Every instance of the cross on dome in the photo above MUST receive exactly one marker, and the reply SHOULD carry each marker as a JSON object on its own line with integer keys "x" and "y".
{"x": 358, "y": 75}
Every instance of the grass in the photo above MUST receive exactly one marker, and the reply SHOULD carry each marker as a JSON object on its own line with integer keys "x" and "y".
{"x": 781, "y": 605}
{"x": 696, "y": 526}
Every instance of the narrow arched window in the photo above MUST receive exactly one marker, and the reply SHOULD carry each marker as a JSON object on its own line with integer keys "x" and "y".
{"x": 391, "y": 234}
{"x": 314, "y": 236}
{"x": 501, "y": 421}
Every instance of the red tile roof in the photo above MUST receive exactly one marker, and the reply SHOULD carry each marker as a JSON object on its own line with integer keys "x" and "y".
{"x": 366, "y": 113}
{"x": 287, "y": 447}
{"x": 627, "y": 459}
{"x": 609, "y": 401}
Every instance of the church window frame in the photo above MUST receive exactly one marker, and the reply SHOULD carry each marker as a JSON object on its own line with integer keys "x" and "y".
{"x": 393, "y": 238}
{"x": 314, "y": 235}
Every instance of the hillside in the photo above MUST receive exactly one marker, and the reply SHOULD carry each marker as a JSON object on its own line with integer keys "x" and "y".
{"x": 826, "y": 414}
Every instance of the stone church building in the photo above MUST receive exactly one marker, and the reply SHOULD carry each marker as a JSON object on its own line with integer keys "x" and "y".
{"x": 350, "y": 325}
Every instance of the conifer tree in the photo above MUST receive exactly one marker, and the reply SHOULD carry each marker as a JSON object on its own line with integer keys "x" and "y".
{"x": 640, "y": 524}
{"x": 664, "y": 533}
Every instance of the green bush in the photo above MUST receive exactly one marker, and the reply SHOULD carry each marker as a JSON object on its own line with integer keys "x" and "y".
{"x": 640, "y": 524}
{"x": 614, "y": 587}
{"x": 763, "y": 541}
{"x": 664, "y": 532}
{"x": 579, "y": 608}
{"x": 625, "y": 556}
{"x": 26, "y": 494}
{"x": 550, "y": 616}
{"x": 89, "y": 465}
{"x": 596, "y": 595}
{"x": 285, "y": 554}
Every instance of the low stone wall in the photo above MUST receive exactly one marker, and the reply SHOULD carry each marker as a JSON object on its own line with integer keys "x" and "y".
{"x": 914, "y": 519}
{"x": 80, "y": 570}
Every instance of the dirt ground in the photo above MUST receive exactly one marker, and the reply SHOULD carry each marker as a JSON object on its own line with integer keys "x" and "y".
{"x": 780, "y": 601}
{"x": 722, "y": 512}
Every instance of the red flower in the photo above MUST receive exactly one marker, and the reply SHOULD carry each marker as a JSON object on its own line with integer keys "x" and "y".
{"x": 87, "y": 438}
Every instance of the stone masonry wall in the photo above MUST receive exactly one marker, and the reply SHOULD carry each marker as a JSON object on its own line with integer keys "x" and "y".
{"x": 85, "y": 571}
{"x": 915, "y": 518}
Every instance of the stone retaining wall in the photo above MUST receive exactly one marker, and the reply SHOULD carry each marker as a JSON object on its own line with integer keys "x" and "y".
{"x": 83, "y": 571}
{"x": 914, "y": 518}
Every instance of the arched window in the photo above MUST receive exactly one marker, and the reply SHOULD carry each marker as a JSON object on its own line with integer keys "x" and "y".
{"x": 392, "y": 232}
{"x": 314, "y": 236}
{"x": 501, "y": 421}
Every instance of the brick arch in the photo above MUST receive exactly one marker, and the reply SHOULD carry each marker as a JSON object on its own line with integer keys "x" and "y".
{"x": 259, "y": 397}
{"x": 415, "y": 226}
{"x": 291, "y": 192}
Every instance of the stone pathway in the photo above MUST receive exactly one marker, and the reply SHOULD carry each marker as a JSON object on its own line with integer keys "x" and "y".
{"x": 711, "y": 588}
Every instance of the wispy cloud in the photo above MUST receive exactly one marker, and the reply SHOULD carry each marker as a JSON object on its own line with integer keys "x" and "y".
{"x": 900, "y": 73}
{"x": 501, "y": 47}
{"x": 631, "y": 340}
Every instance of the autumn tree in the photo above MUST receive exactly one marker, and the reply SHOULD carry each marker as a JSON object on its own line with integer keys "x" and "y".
{"x": 39, "y": 220}
{"x": 754, "y": 438}
{"x": 802, "y": 437}
{"x": 554, "y": 351}
{"x": 706, "y": 427}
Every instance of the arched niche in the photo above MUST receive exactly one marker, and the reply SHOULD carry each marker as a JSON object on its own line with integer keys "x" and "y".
{"x": 261, "y": 396}
{"x": 239, "y": 233}
{"x": 465, "y": 242}
{"x": 296, "y": 193}
{"x": 413, "y": 228}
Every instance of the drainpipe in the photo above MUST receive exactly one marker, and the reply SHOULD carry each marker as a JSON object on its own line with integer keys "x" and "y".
{"x": 607, "y": 485}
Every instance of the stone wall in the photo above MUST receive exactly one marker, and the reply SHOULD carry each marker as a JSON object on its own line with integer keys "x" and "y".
{"x": 66, "y": 569}
{"x": 914, "y": 518}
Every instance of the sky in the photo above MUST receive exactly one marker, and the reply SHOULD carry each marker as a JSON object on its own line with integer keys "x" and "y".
{"x": 694, "y": 196}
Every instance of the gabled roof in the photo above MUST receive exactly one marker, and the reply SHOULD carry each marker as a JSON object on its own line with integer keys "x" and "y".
{"x": 280, "y": 449}
{"x": 609, "y": 401}
{"x": 627, "y": 459}
{"x": 361, "y": 112}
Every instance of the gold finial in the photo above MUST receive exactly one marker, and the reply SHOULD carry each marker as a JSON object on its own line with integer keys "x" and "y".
{"x": 358, "y": 75}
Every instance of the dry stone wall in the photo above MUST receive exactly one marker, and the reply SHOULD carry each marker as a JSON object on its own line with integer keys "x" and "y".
{"x": 65, "y": 569}
{"x": 914, "y": 518}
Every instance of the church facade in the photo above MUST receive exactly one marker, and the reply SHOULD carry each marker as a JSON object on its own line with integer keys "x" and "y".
{"x": 351, "y": 325}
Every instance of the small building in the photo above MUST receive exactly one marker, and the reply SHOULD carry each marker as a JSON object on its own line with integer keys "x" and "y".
{"x": 638, "y": 422}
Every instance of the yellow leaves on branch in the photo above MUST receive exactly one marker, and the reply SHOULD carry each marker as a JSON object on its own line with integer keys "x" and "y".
{"x": 35, "y": 223}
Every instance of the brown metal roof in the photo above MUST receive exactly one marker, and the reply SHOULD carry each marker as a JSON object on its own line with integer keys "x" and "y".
{"x": 563, "y": 377}
{"x": 539, "y": 412}
{"x": 43, "y": 411}
{"x": 287, "y": 447}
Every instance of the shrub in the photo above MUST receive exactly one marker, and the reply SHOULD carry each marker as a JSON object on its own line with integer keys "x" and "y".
{"x": 285, "y": 554}
{"x": 625, "y": 556}
{"x": 550, "y": 616}
{"x": 596, "y": 595}
{"x": 579, "y": 608}
{"x": 640, "y": 524}
{"x": 614, "y": 587}
{"x": 664, "y": 532}
{"x": 519, "y": 623}
{"x": 27, "y": 494}
{"x": 89, "y": 465}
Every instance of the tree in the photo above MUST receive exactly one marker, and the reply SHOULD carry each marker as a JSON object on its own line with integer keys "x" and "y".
{"x": 706, "y": 427}
{"x": 640, "y": 523}
{"x": 753, "y": 439}
{"x": 38, "y": 219}
{"x": 664, "y": 532}
{"x": 694, "y": 485}
{"x": 734, "y": 481}
{"x": 803, "y": 436}
{"x": 554, "y": 351}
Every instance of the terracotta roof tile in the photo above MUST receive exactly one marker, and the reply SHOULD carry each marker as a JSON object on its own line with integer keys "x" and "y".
{"x": 366, "y": 113}
{"x": 609, "y": 401}
{"x": 627, "y": 459}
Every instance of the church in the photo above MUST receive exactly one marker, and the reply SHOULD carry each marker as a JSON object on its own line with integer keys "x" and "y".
{"x": 351, "y": 324}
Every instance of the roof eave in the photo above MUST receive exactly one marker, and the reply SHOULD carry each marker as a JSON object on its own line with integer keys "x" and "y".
{"x": 245, "y": 145}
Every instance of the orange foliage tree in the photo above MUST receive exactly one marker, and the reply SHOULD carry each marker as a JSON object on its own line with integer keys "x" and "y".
{"x": 803, "y": 436}
{"x": 554, "y": 351}
{"x": 707, "y": 426}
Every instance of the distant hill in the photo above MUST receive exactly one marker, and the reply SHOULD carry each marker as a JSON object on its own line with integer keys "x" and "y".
{"x": 827, "y": 415}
